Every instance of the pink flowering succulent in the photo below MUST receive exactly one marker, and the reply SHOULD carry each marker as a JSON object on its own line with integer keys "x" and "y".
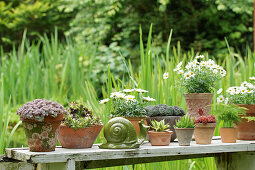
{"x": 204, "y": 119}
{"x": 39, "y": 108}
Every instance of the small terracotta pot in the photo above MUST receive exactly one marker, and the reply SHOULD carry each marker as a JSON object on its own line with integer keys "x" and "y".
{"x": 228, "y": 135}
{"x": 204, "y": 132}
{"x": 160, "y": 138}
{"x": 245, "y": 129}
{"x": 168, "y": 119}
{"x": 42, "y": 136}
{"x": 80, "y": 138}
{"x": 194, "y": 101}
{"x": 184, "y": 135}
{"x": 135, "y": 122}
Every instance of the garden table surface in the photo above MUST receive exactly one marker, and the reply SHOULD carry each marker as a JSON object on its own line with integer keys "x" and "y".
{"x": 95, "y": 157}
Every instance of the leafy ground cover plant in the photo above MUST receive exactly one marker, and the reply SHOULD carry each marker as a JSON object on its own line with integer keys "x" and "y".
{"x": 185, "y": 122}
{"x": 229, "y": 114}
{"x": 164, "y": 110}
{"x": 128, "y": 103}
{"x": 200, "y": 76}
{"x": 204, "y": 119}
{"x": 80, "y": 116}
{"x": 39, "y": 108}
{"x": 159, "y": 126}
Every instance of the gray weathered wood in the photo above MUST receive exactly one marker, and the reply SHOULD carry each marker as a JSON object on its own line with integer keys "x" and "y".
{"x": 95, "y": 157}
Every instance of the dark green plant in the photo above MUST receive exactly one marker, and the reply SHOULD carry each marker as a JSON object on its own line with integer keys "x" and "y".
{"x": 229, "y": 114}
{"x": 164, "y": 110}
{"x": 80, "y": 116}
{"x": 185, "y": 122}
{"x": 159, "y": 126}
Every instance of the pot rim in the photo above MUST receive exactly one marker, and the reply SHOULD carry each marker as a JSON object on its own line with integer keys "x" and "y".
{"x": 161, "y": 133}
{"x": 228, "y": 127}
{"x": 162, "y": 116}
{"x": 197, "y": 93}
{"x": 59, "y": 117}
{"x": 184, "y": 128}
{"x": 64, "y": 125}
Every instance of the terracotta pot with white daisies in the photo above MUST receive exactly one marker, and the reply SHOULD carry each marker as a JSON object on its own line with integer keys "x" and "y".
{"x": 199, "y": 78}
{"x": 129, "y": 103}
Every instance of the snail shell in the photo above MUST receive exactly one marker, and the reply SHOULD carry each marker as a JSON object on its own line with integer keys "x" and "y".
{"x": 120, "y": 130}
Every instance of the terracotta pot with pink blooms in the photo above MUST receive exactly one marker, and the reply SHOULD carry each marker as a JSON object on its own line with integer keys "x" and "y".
{"x": 204, "y": 129}
{"x": 41, "y": 119}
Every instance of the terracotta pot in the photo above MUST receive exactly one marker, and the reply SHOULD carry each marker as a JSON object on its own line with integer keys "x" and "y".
{"x": 42, "y": 136}
{"x": 245, "y": 129}
{"x": 135, "y": 122}
{"x": 228, "y": 135}
{"x": 160, "y": 138}
{"x": 194, "y": 101}
{"x": 204, "y": 132}
{"x": 184, "y": 135}
{"x": 168, "y": 119}
{"x": 80, "y": 138}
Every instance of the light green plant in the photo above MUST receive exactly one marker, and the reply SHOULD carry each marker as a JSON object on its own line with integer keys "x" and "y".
{"x": 159, "y": 126}
{"x": 185, "y": 122}
{"x": 229, "y": 114}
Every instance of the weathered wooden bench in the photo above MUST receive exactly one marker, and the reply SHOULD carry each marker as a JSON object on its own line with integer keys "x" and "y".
{"x": 232, "y": 156}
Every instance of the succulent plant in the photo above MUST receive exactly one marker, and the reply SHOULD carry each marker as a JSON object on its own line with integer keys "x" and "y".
{"x": 39, "y": 108}
{"x": 159, "y": 126}
{"x": 80, "y": 116}
{"x": 164, "y": 110}
{"x": 204, "y": 119}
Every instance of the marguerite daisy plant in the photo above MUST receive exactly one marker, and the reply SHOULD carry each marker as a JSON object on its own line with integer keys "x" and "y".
{"x": 200, "y": 76}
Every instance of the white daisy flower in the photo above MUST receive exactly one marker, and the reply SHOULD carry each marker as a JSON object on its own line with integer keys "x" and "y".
{"x": 226, "y": 100}
{"x": 130, "y": 97}
{"x": 192, "y": 74}
{"x": 219, "y": 91}
{"x": 177, "y": 69}
{"x": 244, "y": 84}
{"x": 114, "y": 94}
{"x": 252, "y": 78}
{"x": 141, "y": 91}
{"x": 243, "y": 90}
{"x": 194, "y": 63}
{"x": 203, "y": 63}
{"x": 149, "y": 99}
{"x": 199, "y": 56}
{"x": 188, "y": 66}
{"x": 249, "y": 85}
{"x": 187, "y": 75}
{"x": 250, "y": 91}
{"x": 128, "y": 90}
{"x": 223, "y": 73}
{"x": 229, "y": 90}
{"x": 165, "y": 76}
{"x": 215, "y": 71}
{"x": 180, "y": 72}
{"x": 121, "y": 95}
{"x": 220, "y": 99}
{"x": 179, "y": 65}
{"x": 104, "y": 101}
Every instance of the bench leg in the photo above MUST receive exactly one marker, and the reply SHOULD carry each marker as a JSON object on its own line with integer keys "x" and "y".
{"x": 69, "y": 165}
{"x": 236, "y": 161}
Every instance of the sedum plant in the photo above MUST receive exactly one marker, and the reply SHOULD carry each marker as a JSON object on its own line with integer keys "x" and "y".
{"x": 185, "y": 122}
{"x": 204, "y": 119}
{"x": 39, "y": 108}
{"x": 229, "y": 114}
{"x": 164, "y": 110}
{"x": 200, "y": 76}
{"x": 80, "y": 116}
{"x": 159, "y": 126}
{"x": 128, "y": 103}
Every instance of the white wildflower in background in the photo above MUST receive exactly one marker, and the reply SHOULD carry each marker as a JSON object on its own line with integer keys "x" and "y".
{"x": 244, "y": 84}
{"x": 180, "y": 72}
{"x": 104, "y": 101}
{"x": 203, "y": 63}
{"x": 130, "y": 97}
{"x": 121, "y": 95}
{"x": 192, "y": 74}
{"x": 243, "y": 90}
{"x": 149, "y": 99}
{"x": 194, "y": 63}
{"x": 252, "y": 78}
{"x": 220, "y": 99}
{"x": 219, "y": 91}
{"x": 223, "y": 73}
{"x": 141, "y": 91}
{"x": 226, "y": 100}
{"x": 179, "y": 65}
{"x": 114, "y": 94}
{"x": 165, "y": 76}
{"x": 199, "y": 56}
{"x": 215, "y": 71}
{"x": 128, "y": 90}
{"x": 187, "y": 75}
{"x": 229, "y": 90}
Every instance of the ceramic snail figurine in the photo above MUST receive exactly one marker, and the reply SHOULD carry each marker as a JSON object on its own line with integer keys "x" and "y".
{"x": 120, "y": 134}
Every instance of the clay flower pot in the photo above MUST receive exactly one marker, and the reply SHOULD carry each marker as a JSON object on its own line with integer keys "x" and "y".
{"x": 194, "y": 101}
{"x": 42, "y": 136}
{"x": 80, "y": 138}
{"x": 168, "y": 119}
{"x": 204, "y": 132}
{"x": 135, "y": 122}
{"x": 228, "y": 135}
{"x": 245, "y": 129}
{"x": 160, "y": 138}
{"x": 184, "y": 135}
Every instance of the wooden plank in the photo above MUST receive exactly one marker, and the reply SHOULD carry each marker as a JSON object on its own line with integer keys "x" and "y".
{"x": 145, "y": 151}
